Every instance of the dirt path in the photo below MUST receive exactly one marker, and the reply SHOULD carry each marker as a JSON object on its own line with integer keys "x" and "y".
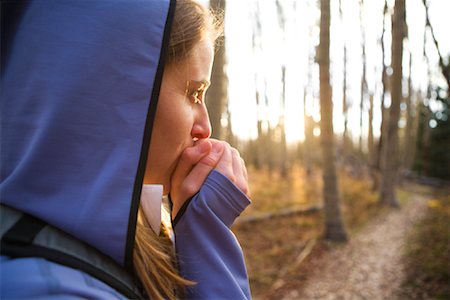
{"x": 369, "y": 266}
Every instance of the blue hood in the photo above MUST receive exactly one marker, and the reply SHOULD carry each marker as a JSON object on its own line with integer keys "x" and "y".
{"x": 80, "y": 85}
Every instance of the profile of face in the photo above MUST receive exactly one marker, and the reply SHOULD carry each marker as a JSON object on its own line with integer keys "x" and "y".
{"x": 181, "y": 117}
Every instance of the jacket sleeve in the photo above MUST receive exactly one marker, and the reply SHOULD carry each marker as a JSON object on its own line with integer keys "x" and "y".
{"x": 208, "y": 251}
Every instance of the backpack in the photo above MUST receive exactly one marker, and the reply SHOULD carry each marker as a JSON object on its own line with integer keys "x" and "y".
{"x": 23, "y": 235}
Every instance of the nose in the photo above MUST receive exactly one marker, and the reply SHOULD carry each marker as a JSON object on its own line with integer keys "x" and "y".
{"x": 202, "y": 127}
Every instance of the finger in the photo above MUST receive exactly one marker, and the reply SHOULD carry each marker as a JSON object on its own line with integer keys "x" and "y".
{"x": 238, "y": 169}
{"x": 195, "y": 179}
{"x": 245, "y": 169}
{"x": 189, "y": 158}
{"x": 225, "y": 165}
{"x": 246, "y": 177}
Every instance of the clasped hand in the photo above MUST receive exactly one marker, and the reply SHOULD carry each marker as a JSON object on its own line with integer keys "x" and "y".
{"x": 197, "y": 162}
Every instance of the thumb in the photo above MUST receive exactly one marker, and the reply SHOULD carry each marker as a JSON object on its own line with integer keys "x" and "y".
{"x": 197, "y": 176}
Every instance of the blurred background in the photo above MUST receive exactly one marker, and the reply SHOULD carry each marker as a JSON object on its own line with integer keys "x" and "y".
{"x": 341, "y": 110}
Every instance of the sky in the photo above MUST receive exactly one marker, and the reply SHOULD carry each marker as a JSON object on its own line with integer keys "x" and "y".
{"x": 250, "y": 70}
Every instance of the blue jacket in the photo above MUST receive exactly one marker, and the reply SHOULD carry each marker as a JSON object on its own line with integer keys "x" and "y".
{"x": 80, "y": 82}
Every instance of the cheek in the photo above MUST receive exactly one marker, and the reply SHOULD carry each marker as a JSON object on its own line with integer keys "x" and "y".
{"x": 174, "y": 125}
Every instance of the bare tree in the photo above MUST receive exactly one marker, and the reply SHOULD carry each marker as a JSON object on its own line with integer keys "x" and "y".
{"x": 384, "y": 115}
{"x": 308, "y": 124}
{"x": 283, "y": 163}
{"x": 445, "y": 69}
{"x": 363, "y": 76}
{"x": 409, "y": 136}
{"x": 283, "y": 157}
{"x": 308, "y": 121}
{"x": 334, "y": 227}
{"x": 390, "y": 147}
{"x": 256, "y": 44}
{"x": 345, "y": 139}
{"x": 217, "y": 93}
{"x": 370, "y": 143}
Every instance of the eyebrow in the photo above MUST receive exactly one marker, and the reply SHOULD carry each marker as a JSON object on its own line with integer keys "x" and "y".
{"x": 204, "y": 83}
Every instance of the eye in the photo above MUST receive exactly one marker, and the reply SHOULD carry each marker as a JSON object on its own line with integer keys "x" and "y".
{"x": 196, "y": 90}
{"x": 198, "y": 96}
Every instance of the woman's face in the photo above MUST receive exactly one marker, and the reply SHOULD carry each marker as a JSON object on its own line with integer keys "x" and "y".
{"x": 181, "y": 117}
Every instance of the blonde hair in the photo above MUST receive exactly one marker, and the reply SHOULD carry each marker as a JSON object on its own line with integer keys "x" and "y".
{"x": 192, "y": 23}
{"x": 155, "y": 263}
{"x": 154, "y": 256}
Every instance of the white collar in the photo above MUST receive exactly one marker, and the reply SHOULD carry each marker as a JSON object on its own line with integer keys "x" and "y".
{"x": 151, "y": 201}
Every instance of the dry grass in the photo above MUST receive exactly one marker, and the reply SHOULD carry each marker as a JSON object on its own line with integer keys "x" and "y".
{"x": 270, "y": 192}
{"x": 274, "y": 248}
{"x": 427, "y": 257}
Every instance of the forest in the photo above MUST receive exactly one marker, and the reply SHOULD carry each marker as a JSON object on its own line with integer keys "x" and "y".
{"x": 341, "y": 110}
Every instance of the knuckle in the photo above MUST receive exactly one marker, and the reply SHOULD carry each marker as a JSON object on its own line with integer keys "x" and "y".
{"x": 190, "y": 188}
{"x": 227, "y": 145}
{"x": 209, "y": 161}
{"x": 235, "y": 152}
{"x": 188, "y": 155}
{"x": 232, "y": 177}
{"x": 243, "y": 187}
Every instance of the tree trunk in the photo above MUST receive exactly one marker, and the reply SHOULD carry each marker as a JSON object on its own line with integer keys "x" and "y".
{"x": 308, "y": 121}
{"x": 445, "y": 69}
{"x": 283, "y": 146}
{"x": 371, "y": 145}
{"x": 363, "y": 78}
{"x": 370, "y": 134}
{"x": 408, "y": 153}
{"x": 217, "y": 93}
{"x": 307, "y": 144}
{"x": 345, "y": 139}
{"x": 334, "y": 227}
{"x": 384, "y": 116}
{"x": 256, "y": 44}
{"x": 390, "y": 148}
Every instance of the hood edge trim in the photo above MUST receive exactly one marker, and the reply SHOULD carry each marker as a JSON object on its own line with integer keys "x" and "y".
{"x": 137, "y": 189}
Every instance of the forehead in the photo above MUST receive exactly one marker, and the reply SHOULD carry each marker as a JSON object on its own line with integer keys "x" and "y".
{"x": 197, "y": 66}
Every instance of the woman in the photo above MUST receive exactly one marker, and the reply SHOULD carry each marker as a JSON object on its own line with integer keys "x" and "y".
{"x": 103, "y": 112}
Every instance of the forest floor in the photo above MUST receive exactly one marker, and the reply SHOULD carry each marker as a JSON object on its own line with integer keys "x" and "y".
{"x": 288, "y": 259}
{"x": 370, "y": 266}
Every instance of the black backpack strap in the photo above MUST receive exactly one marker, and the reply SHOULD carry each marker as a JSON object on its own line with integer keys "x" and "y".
{"x": 23, "y": 235}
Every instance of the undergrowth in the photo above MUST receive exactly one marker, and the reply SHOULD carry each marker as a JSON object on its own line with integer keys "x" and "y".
{"x": 427, "y": 256}
{"x": 272, "y": 247}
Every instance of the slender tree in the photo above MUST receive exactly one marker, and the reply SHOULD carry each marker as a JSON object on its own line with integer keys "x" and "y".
{"x": 283, "y": 146}
{"x": 334, "y": 227}
{"x": 308, "y": 90}
{"x": 345, "y": 139}
{"x": 422, "y": 157}
{"x": 384, "y": 115}
{"x": 409, "y": 136}
{"x": 363, "y": 76}
{"x": 370, "y": 142}
{"x": 217, "y": 93}
{"x": 390, "y": 148}
{"x": 283, "y": 156}
{"x": 445, "y": 69}
{"x": 308, "y": 121}
{"x": 256, "y": 44}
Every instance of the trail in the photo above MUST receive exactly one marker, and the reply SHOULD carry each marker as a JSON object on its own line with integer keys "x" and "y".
{"x": 369, "y": 266}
